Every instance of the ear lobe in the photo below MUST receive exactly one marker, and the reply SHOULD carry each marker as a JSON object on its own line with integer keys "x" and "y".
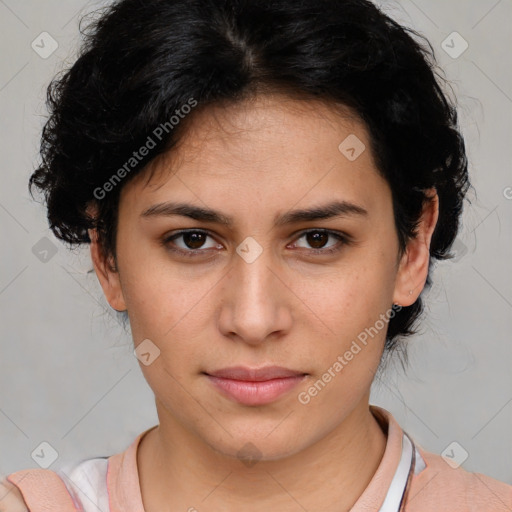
{"x": 107, "y": 275}
{"x": 413, "y": 269}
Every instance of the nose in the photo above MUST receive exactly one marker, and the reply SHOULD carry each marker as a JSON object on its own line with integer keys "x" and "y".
{"x": 256, "y": 303}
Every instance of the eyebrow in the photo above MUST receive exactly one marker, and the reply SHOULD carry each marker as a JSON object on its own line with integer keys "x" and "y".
{"x": 330, "y": 210}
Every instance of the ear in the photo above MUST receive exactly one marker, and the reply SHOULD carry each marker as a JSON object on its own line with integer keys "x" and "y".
{"x": 413, "y": 268}
{"x": 107, "y": 275}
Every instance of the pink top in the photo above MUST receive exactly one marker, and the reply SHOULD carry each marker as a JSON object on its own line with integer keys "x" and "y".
{"x": 435, "y": 486}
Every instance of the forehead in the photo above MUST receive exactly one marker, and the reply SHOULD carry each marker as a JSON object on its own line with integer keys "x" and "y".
{"x": 273, "y": 146}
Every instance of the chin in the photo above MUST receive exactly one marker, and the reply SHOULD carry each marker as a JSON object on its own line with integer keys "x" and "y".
{"x": 250, "y": 452}
{"x": 256, "y": 442}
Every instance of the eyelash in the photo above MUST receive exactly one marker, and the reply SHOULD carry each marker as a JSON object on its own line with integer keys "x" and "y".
{"x": 343, "y": 238}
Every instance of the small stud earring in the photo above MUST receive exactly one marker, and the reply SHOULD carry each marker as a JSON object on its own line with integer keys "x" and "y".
{"x": 410, "y": 292}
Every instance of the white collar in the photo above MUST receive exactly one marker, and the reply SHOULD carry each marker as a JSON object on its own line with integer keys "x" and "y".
{"x": 410, "y": 455}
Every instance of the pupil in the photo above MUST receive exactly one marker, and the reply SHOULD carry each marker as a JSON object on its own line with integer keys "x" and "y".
{"x": 194, "y": 240}
{"x": 317, "y": 239}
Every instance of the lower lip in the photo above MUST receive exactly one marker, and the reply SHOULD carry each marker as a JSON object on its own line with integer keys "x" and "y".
{"x": 255, "y": 393}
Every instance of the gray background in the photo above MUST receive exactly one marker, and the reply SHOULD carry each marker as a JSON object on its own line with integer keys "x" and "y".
{"x": 67, "y": 371}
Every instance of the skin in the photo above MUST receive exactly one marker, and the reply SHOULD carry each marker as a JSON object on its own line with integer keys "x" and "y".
{"x": 253, "y": 161}
{"x": 11, "y": 499}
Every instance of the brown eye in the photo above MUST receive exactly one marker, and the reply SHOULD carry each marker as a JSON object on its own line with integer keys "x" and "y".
{"x": 189, "y": 242}
{"x": 317, "y": 239}
{"x": 194, "y": 239}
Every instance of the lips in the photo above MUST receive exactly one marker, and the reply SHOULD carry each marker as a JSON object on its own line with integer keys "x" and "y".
{"x": 255, "y": 386}
{"x": 255, "y": 374}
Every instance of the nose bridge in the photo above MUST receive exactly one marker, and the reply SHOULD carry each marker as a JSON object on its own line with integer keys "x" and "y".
{"x": 255, "y": 299}
{"x": 252, "y": 270}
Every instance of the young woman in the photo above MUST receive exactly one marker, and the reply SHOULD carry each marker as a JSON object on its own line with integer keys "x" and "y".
{"x": 264, "y": 187}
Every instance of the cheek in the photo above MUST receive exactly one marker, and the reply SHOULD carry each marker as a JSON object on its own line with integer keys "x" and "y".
{"x": 169, "y": 310}
{"x": 160, "y": 296}
{"x": 175, "y": 311}
{"x": 348, "y": 325}
{"x": 351, "y": 297}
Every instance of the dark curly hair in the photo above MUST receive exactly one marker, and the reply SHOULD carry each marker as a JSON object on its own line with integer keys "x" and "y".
{"x": 141, "y": 61}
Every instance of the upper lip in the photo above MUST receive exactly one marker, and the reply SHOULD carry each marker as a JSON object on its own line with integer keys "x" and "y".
{"x": 255, "y": 374}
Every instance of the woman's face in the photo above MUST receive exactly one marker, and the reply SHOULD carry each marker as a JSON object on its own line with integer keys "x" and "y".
{"x": 271, "y": 288}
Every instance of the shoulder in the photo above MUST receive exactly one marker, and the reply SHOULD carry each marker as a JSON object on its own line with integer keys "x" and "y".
{"x": 441, "y": 487}
{"x": 35, "y": 489}
{"x": 11, "y": 499}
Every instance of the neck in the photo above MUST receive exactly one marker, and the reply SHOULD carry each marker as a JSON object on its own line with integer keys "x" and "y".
{"x": 177, "y": 468}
